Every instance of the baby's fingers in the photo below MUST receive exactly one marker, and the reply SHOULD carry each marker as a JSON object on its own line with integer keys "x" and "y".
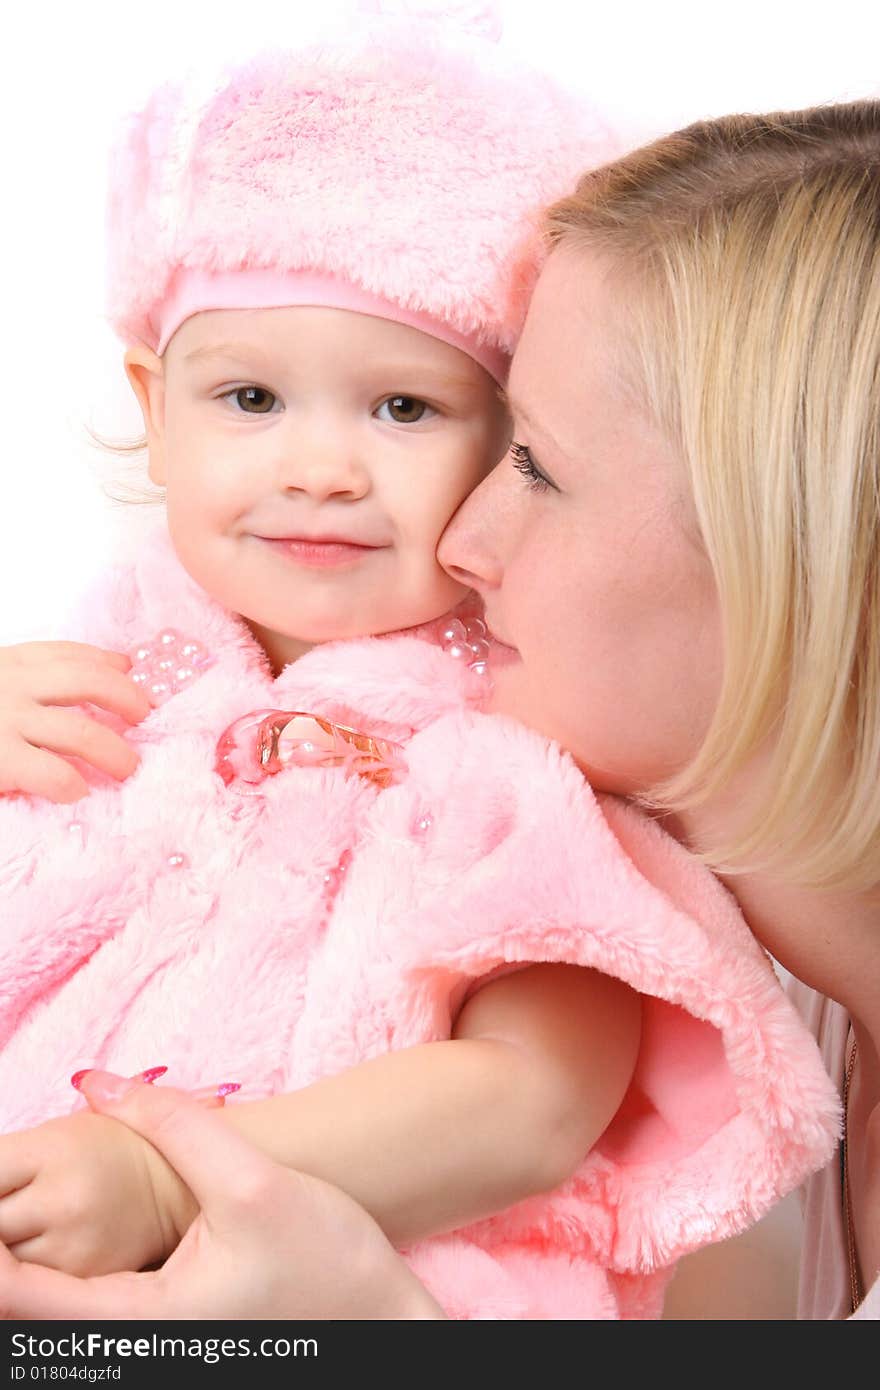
{"x": 76, "y": 682}
{"x": 68, "y": 673}
{"x": 20, "y": 1219}
{"x": 18, "y": 1166}
{"x": 54, "y": 1251}
{"x": 74, "y": 733}
{"x": 38, "y": 653}
{"x": 38, "y": 773}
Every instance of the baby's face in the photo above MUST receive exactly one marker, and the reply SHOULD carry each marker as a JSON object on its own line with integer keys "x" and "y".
{"x": 312, "y": 458}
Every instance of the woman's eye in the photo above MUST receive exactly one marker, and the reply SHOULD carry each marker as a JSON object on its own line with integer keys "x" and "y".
{"x": 252, "y": 400}
{"x": 403, "y": 410}
{"x": 525, "y": 464}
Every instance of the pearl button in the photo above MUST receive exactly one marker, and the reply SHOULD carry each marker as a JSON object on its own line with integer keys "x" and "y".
{"x": 455, "y": 631}
{"x": 167, "y": 664}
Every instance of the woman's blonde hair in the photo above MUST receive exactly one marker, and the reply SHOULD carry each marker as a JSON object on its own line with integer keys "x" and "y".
{"x": 753, "y": 244}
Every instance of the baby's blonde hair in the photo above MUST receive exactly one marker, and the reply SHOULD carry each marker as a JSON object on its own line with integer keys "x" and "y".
{"x": 751, "y": 246}
{"x": 136, "y": 488}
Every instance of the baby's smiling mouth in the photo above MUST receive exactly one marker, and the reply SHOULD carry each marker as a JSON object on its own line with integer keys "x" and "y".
{"x": 322, "y": 552}
{"x": 324, "y": 538}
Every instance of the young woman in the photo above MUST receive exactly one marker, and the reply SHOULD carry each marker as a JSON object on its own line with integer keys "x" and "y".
{"x": 688, "y": 579}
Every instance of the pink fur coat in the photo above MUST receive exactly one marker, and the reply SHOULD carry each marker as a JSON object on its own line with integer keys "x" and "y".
{"x": 174, "y": 919}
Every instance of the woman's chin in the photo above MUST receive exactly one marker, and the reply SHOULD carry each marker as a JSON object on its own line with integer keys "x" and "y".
{"x": 506, "y": 694}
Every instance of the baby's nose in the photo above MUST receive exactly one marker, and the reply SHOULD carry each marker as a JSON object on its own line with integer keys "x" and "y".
{"x": 324, "y": 467}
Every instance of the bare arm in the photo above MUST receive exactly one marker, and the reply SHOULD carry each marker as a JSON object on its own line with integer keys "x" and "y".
{"x": 432, "y": 1137}
{"x": 749, "y": 1277}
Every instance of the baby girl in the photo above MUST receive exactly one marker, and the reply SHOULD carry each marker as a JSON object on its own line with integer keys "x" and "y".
{"x": 512, "y": 1019}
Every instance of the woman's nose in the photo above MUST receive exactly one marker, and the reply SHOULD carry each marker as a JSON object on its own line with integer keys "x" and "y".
{"x": 469, "y": 548}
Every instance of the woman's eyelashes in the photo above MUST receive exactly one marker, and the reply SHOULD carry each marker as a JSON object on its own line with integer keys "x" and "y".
{"x": 397, "y": 410}
{"x": 525, "y": 464}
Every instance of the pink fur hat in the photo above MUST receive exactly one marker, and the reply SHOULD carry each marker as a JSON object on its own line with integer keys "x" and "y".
{"x": 400, "y": 170}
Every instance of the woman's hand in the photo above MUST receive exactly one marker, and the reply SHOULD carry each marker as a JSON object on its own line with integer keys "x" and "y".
{"x": 267, "y": 1242}
{"x": 36, "y": 678}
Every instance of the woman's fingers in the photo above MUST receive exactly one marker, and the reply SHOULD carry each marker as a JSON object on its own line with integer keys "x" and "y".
{"x": 217, "y": 1165}
{"x": 32, "y": 1292}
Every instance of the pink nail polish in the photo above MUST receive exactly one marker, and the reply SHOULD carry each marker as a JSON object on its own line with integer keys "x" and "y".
{"x": 150, "y": 1075}
{"x": 76, "y": 1079}
{"x": 226, "y": 1088}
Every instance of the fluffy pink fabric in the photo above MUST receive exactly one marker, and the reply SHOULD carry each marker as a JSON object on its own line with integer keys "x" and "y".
{"x": 411, "y": 163}
{"x": 230, "y": 963}
{"x": 195, "y": 292}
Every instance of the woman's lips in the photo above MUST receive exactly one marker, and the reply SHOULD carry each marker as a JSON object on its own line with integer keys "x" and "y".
{"x": 321, "y": 554}
{"x": 502, "y": 653}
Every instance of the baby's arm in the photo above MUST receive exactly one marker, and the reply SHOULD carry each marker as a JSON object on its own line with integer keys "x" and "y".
{"x": 427, "y": 1139}
{"x": 435, "y": 1136}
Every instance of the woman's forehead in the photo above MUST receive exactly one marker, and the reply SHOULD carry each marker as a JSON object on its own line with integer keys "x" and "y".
{"x": 566, "y": 365}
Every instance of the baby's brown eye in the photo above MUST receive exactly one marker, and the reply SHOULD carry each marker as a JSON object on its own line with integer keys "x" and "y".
{"x": 254, "y": 400}
{"x": 405, "y": 410}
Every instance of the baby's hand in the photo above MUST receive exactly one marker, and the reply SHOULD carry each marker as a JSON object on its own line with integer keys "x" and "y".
{"x": 87, "y": 1195}
{"x": 35, "y": 678}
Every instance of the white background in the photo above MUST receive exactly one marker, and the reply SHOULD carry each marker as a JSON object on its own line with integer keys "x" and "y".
{"x": 67, "y": 71}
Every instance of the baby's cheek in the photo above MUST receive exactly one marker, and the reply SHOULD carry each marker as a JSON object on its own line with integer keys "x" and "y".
{"x": 422, "y": 593}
